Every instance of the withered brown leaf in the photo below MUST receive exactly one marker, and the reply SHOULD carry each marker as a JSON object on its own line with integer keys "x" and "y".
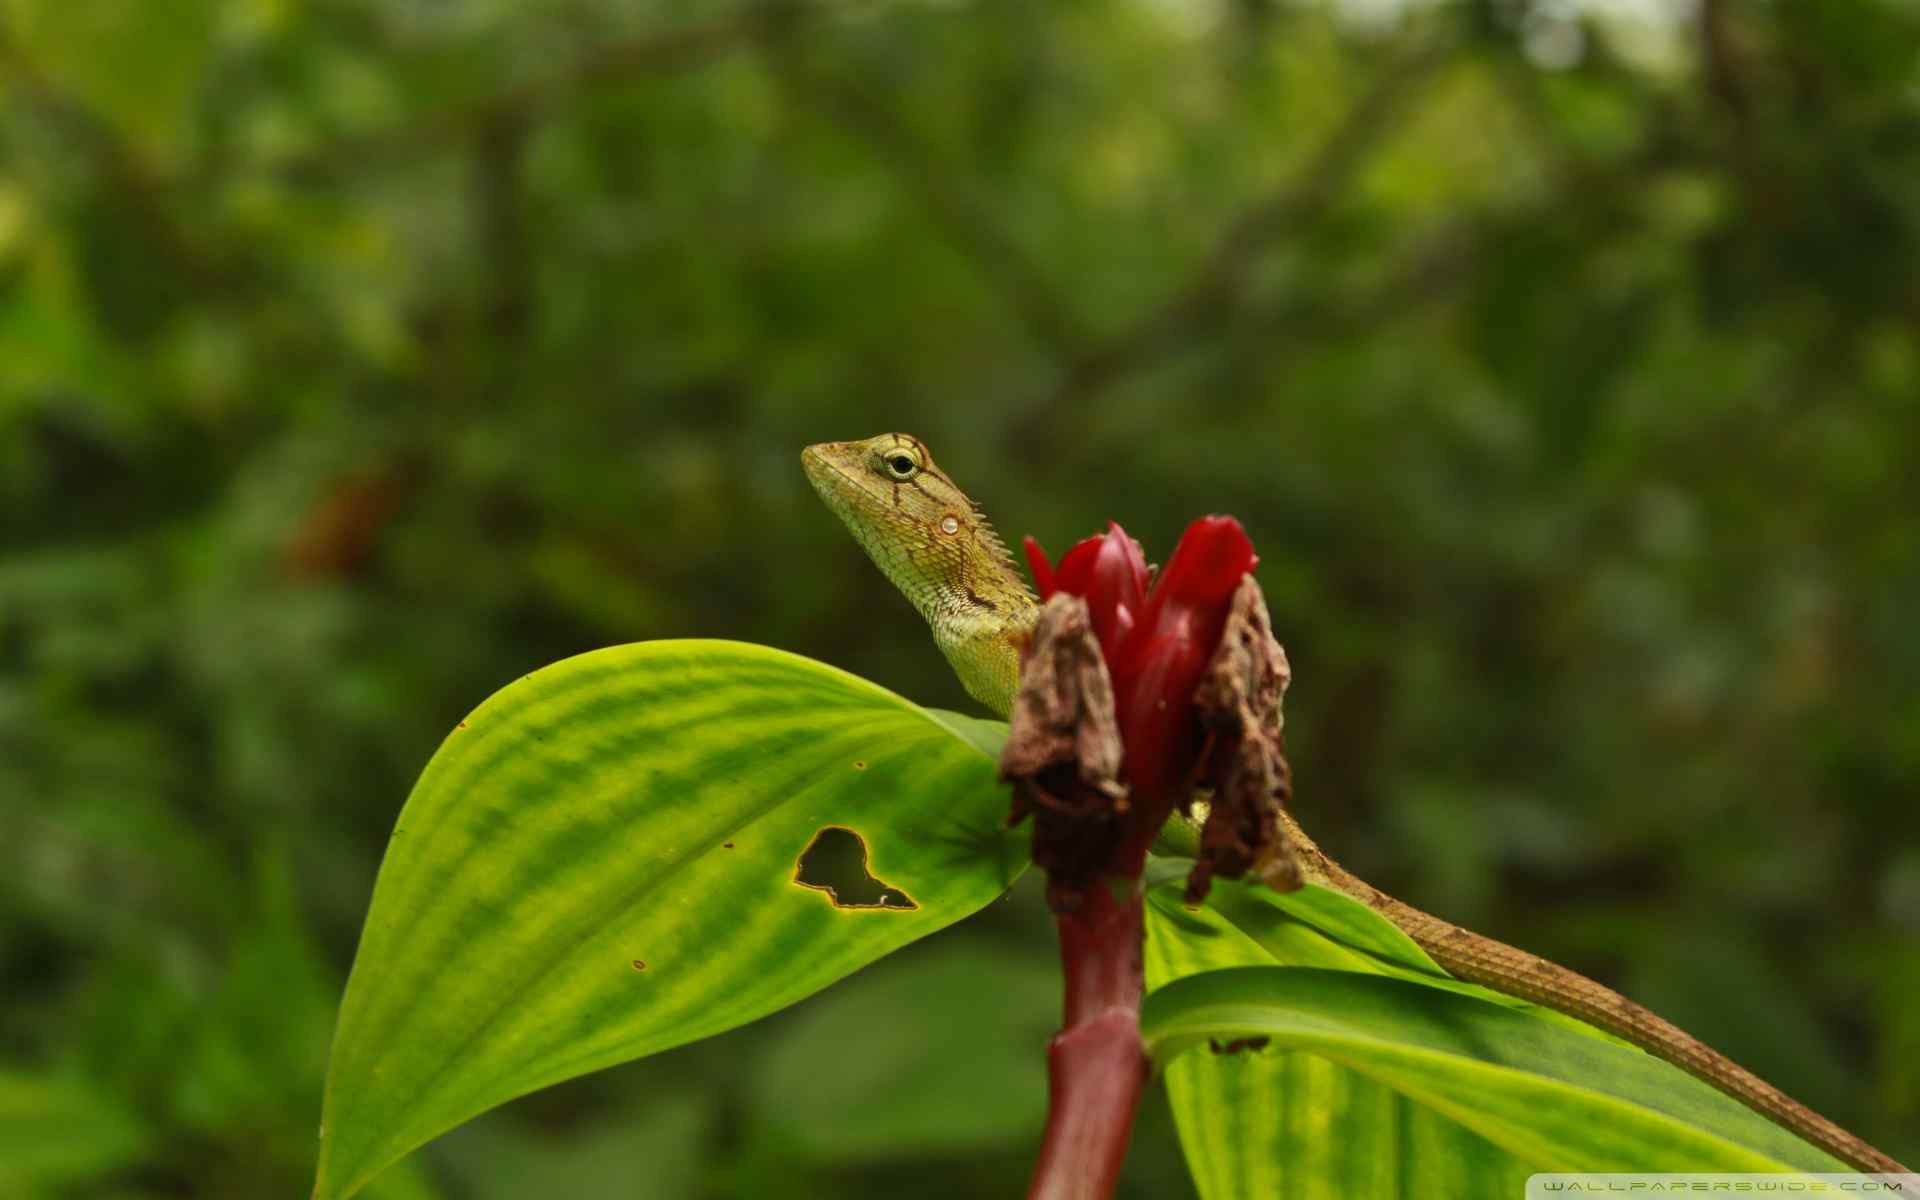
{"x": 1063, "y": 751}
{"x": 1239, "y": 705}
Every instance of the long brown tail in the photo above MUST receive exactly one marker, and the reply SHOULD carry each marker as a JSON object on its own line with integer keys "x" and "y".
{"x": 1503, "y": 968}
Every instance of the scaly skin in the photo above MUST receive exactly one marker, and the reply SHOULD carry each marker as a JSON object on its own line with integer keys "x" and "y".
{"x": 936, "y": 546}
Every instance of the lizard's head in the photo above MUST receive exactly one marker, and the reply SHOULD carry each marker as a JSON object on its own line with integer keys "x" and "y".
{"x": 890, "y": 479}
{"x": 916, "y": 525}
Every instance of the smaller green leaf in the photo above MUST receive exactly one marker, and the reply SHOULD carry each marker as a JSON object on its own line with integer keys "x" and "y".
{"x": 1317, "y": 926}
{"x": 937, "y": 1055}
{"x": 660, "y": 1141}
{"x": 1290, "y": 1124}
{"x": 59, "y": 1130}
{"x": 139, "y": 66}
{"x": 1322, "y": 923}
{"x": 1554, "y": 1098}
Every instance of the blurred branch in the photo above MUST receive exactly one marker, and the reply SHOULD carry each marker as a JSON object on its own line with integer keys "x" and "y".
{"x": 529, "y": 102}
{"x": 131, "y": 181}
{"x": 1724, "y": 62}
{"x": 953, "y": 203}
{"x": 339, "y": 531}
{"x": 1440, "y": 260}
{"x": 1725, "y": 71}
{"x": 1571, "y": 166}
{"x": 504, "y": 244}
{"x": 1217, "y": 282}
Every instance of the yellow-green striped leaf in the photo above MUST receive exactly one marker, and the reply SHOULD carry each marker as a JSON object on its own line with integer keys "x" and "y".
{"x": 634, "y": 849}
{"x": 1384, "y": 1077}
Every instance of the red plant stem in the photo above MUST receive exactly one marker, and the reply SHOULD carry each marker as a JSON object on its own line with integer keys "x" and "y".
{"x": 1096, "y": 1069}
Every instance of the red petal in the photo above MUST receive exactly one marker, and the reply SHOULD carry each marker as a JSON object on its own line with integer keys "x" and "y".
{"x": 1041, "y": 568}
{"x": 1074, "y": 575}
{"x": 1153, "y": 696}
{"x": 1208, "y": 564}
{"x": 1114, "y": 592}
{"x": 1160, "y": 663}
{"x": 1135, "y": 559}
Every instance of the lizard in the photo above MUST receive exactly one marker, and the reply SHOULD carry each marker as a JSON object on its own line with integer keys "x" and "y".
{"x": 935, "y": 544}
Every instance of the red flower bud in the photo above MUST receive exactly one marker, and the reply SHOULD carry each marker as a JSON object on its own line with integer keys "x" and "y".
{"x": 1157, "y": 641}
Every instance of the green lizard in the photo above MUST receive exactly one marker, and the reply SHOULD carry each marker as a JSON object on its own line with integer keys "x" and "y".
{"x": 936, "y": 546}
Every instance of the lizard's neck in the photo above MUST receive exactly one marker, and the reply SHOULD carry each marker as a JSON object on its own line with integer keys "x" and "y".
{"x": 965, "y": 575}
{"x": 983, "y": 643}
{"x": 964, "y": 585}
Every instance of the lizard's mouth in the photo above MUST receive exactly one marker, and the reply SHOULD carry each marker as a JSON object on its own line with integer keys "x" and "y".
{"x": 835, "y": 486}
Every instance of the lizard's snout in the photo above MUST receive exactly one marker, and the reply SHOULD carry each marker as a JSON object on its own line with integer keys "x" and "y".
{"x": 815, "y": 456}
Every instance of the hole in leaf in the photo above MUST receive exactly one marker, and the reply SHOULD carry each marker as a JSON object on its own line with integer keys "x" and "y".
{"x": 835, "y": 862}
{"x": 1238, "y": 1045}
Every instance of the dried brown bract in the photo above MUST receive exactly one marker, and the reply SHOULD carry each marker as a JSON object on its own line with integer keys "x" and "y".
{"x": 1063, "y": 752}
{"x": 1238, "y": 702}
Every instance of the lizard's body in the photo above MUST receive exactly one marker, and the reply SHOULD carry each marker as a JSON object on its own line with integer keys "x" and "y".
{"x": 937, "y": 547}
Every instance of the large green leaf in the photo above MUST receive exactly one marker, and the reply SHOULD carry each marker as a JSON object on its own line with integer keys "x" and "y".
{"x": 1299, "y": 1119}
{"x": 601, "y": 861}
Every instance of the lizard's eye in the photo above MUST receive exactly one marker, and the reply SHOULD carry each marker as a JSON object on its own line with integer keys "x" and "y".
{"x": 900, "y": 466}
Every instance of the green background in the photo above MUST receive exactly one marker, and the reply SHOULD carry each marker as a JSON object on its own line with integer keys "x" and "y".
{"x": 357, "y": 358}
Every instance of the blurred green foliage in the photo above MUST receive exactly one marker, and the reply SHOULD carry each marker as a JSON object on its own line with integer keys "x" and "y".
{"x": 358, "y": 357}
